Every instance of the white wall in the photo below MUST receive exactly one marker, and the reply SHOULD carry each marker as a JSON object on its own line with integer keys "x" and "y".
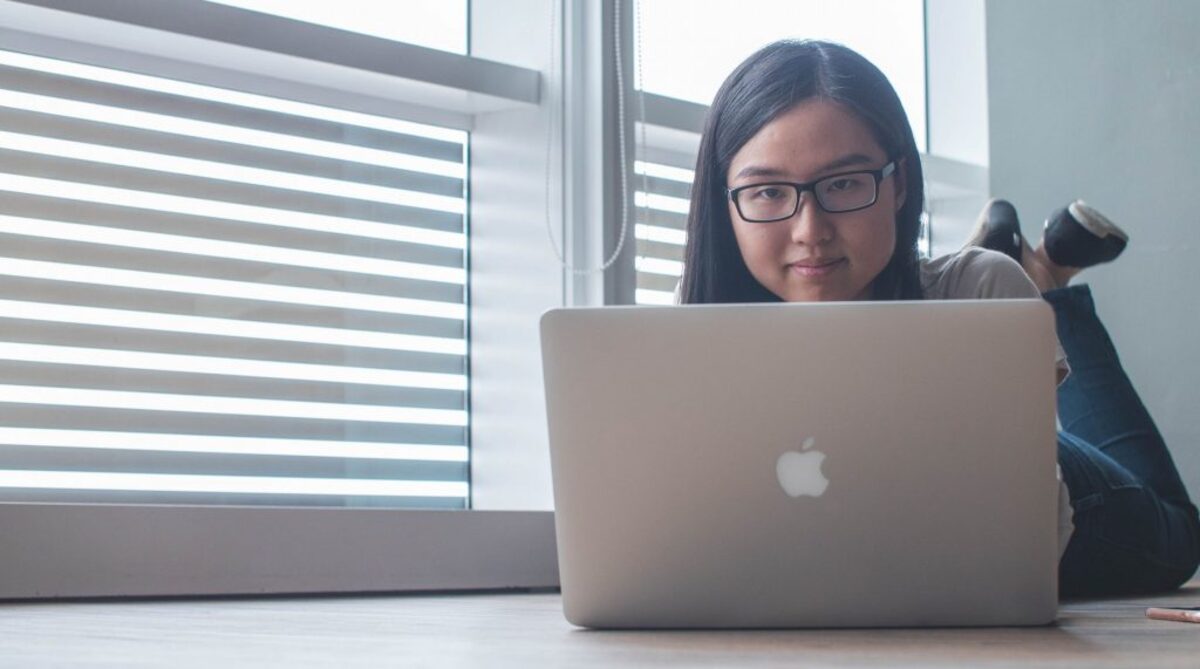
{"x": 956, "y": 68}
{"x": 1100, "y": 99}
{"x": 957, "y": 80}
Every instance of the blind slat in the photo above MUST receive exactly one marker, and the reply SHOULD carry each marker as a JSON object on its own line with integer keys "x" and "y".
{"x": 248, "y": 201}
{"x": 237, "y": 406}
{"x": 138, "y": 420}
{"x": 666, "y": 284}
{"x": 290, "y": 160}
{"x": 40, "y": 458}
{"x": 660, "y": 186}
{"x": 340, "y": 273}
{"x": 228, "y": 345}
{"x": 222, "y": 387}
{"x": 118, "y": 217}
{"x": 662, "y": 219}
{"x": 218, "y": 113}
{"x": 90, "y": 441}
{"x": 660, "y": 250}
{"x": 241, "y": 177}
{"x": 178, "y": 283}
{"x": 151, "y": 302}
{"x": 209, "y": 483}
{"x": 96, "y": 496}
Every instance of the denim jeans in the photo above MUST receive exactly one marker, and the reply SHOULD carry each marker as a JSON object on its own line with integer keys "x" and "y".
{"x": 1136, "y": 530}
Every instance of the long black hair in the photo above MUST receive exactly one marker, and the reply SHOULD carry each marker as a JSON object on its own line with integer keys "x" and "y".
{"x": 773, "y": 80}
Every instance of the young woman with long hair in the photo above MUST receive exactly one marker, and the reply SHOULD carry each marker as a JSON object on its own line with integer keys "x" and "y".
{"x": 809, "y": 188}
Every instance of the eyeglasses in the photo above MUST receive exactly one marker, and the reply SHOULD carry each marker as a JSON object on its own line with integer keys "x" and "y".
{"x": 836, "y": 194}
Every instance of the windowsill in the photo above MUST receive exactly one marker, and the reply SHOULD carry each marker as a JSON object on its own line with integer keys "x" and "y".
{"x": 106, "y": 550}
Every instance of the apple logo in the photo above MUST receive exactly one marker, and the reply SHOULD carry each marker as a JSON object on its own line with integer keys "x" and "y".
{"x": 800, "y": 473}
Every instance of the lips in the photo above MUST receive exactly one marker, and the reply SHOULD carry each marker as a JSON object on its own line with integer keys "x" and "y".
{"x": 816, "y": 267}
{"x": 816, "y": 262}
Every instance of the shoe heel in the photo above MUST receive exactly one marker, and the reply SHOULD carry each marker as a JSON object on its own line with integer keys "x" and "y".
{"x": 1079, "y": 236}
{"x": 1094, "y": 222}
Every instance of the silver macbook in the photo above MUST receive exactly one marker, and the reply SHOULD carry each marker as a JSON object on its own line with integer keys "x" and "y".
{"x": 804, "y": 465}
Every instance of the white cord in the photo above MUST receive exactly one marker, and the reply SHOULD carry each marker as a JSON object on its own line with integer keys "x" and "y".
{"x": 554, "y": 244}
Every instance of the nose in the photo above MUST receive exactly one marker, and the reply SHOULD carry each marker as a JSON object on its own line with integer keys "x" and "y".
{"x": 811, "y": 225}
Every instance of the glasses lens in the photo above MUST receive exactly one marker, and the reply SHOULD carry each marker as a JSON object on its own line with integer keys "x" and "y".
{"x": 846, "y": 191}
{"x": 767, "y": 202}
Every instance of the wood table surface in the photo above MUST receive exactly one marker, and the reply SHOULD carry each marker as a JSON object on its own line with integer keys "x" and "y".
{"x": 528, "y": 629}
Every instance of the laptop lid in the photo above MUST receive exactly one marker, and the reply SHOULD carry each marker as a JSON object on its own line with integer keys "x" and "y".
{"x": 804, "y": 465}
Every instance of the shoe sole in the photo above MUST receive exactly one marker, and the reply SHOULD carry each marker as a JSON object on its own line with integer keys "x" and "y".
{"x": 1095, "y": 222}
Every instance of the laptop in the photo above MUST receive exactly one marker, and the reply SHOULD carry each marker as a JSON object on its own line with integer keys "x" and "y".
{"x": 804, "y": 465}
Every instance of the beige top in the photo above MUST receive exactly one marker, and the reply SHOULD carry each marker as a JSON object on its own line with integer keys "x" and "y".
{"x": 979, "y": 274}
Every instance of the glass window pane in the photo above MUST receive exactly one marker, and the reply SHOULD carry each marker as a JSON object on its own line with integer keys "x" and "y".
{"x": 688, "y": 47}
{"x": 437, "y": 24}
{"x": 220, "y": 297}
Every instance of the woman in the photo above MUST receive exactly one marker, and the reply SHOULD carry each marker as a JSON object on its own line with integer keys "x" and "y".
{"x": 809, "y": 188}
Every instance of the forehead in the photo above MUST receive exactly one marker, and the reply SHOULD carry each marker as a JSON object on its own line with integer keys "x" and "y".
{"x": 803, "y": 140}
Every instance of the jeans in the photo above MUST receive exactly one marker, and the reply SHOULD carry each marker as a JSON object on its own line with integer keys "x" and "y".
{"x": 1136, "y": 530}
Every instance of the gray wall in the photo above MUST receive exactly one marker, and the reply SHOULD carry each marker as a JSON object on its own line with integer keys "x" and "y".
{"x": 1100, "y": 99}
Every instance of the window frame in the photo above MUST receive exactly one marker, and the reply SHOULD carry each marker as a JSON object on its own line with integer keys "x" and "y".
{"x": 505, "y": 540}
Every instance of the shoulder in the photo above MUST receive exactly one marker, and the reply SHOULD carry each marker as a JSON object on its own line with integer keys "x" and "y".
{"x": 975, "y": 273}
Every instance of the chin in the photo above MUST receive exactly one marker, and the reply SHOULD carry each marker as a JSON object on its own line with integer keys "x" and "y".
{"x": 816, "y": 295}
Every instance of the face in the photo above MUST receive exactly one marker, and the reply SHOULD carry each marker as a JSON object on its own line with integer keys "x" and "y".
{"x": 816, "y": 256}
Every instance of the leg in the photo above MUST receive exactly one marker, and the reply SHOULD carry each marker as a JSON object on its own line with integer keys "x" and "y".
{"x": 1127, "y": 538}
{"x": 1136, "y": 530}
{"x": 1099, "y": 404}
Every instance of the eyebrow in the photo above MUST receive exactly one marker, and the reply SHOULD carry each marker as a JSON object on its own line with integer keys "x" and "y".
{"x": 845, "y": 161}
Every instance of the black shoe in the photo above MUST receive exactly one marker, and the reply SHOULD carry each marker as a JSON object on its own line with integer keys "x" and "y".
{"x": 1079, "y": 236}
{"x": 998, "y": 229}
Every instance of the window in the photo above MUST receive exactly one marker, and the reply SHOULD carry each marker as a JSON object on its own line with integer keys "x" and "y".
{"x": 662, "y": 204}
{"x": 220, "y": 297}
{"x": 237, "y": 273}
{"x": 688, "y": 60}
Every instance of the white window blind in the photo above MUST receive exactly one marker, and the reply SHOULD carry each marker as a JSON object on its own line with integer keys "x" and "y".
{"x": 216, "y": 297}
{"x": 662, "y": 198}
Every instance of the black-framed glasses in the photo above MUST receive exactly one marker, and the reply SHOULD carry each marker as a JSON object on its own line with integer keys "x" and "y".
{"x": 836, "y": 194}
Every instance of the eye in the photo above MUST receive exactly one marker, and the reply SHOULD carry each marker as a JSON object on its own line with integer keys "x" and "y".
{"x": 766, "y": 193}
{"x": 843, "y": 184}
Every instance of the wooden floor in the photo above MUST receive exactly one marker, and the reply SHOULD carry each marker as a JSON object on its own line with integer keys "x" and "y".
{"x": 520, "y": 630}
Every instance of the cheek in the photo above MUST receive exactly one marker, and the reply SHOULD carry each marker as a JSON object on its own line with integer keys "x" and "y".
{"x": 873, "y": 242}
{"x": 743, "y": 235}
{"x": 886, "y": 244}
{"x": 755, "y": 243}
{"x": 887, "y": 229}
